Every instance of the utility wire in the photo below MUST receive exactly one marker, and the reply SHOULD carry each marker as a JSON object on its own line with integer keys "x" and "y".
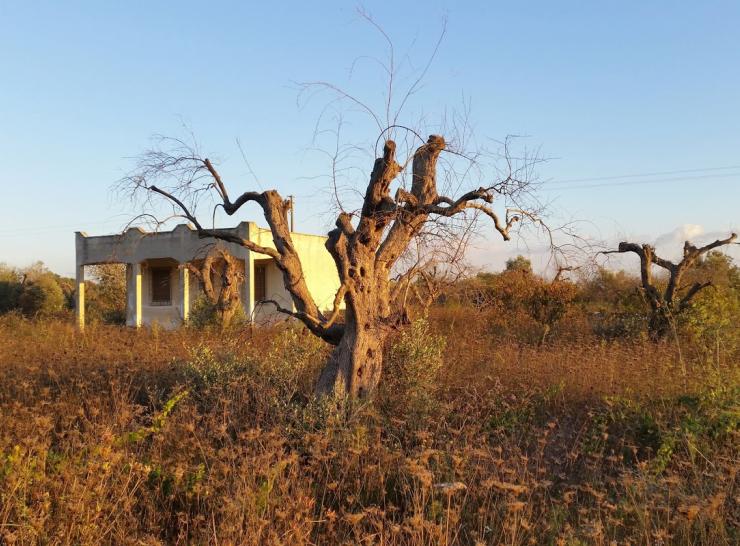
{"x": 546, "y": 186}
{"x": 641, "y": 182}
{"x": 42, "y": 229}
{"x": 639, "y": 175}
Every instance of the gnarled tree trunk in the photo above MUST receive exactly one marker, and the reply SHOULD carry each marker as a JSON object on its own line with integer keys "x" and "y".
{"x": 356, "y": 363}
{"x": 224, "y": 294}
{"x": 364, "y": 250}
{"x": 666, "y": 305}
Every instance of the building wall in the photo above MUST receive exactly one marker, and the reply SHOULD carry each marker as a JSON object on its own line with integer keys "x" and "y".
{"x": 319, "y": 269}
{"x": 166, "y": 316}
{"x": 137, "y": 247}
{"x": 182, "y": 245}
{"x": 318, "y": 265}
{"x": 274, "y": 290}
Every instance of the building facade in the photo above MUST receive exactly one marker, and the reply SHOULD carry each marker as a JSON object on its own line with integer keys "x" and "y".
{"x": 160, "y": 289}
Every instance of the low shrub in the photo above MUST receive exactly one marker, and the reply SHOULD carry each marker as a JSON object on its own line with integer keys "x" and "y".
{"x": 412, "y": 369}
{"x": 42, "y": 297}
{"x": 123, "y": 436}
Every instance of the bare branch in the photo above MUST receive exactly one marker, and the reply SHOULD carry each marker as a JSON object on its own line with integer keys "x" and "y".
{"x": 664, "y": 304}
{"x": 693, "y": 291}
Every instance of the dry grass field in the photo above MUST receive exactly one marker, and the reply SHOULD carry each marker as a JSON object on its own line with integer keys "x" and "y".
{"x": 195, "y": 437}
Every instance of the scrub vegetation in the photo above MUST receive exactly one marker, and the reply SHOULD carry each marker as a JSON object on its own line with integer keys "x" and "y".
{"x": 484, "y": 429}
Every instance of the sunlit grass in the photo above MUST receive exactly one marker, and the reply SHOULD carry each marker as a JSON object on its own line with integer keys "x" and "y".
{"x": 192, "y": 437}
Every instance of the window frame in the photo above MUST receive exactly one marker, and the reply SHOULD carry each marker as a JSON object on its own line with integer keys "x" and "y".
{"x": 260, "y": 282}
{"x": 153, "y": 273}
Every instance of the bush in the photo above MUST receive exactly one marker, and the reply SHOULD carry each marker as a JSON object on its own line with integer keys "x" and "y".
{"x": 204, "y": 314}
{"x": 413, "y": 367}
{"x": 293, "y": 361}
{"x": 35, "y": 291}
{"x": 42, "y": 297}
{"x": 10, "y": 288}
{"x": 205, "y": 370}
{"x": 288, "y": 366}
{"x": 614, "y": 303}
{"x": 713, "y": 318}
{"x": 106, "y": 295}
{"x": 518, "y": 302}
{"x": 623, "y": 325}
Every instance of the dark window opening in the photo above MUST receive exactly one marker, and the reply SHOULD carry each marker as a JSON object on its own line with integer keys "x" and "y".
{"x": 161, "y": 286}
{"x": 260, "y": 282}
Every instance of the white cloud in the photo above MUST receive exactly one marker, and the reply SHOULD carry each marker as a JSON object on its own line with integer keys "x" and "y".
{"x": 670, "y": 245}
{"x": 491, "y": 254}
{"x": 686, "y": 232}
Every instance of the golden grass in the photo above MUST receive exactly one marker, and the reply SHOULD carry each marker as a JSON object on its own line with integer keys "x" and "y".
{"x": 186, "y": 437}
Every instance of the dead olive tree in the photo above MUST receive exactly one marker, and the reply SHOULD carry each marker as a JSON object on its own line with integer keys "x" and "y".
{"x": 670, "y": 301}
{"x": 365, "y": 246}
{"x": 220, "y": 277}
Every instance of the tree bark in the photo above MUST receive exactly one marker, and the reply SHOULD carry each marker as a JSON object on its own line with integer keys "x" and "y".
{"x": 355, "y": 365}
{"x": 225, "y": 300}
{"x": 365, "y": 250}
{"x": 659, "y": 324}
{"x": 364, "y": 261}
{"x": 666, "y": 305}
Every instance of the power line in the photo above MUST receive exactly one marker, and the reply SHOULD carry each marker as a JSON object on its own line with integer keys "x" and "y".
{"x": 43, "y": 229}
{"x": 641, "y": 182}
{"x": 638, "y": 175}
{"x": 548, "y": 186}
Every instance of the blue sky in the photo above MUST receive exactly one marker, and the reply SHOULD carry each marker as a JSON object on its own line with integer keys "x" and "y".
{"x": 604, "y": 89}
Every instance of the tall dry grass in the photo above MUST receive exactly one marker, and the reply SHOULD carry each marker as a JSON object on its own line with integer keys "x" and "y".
{"x": 477, "y": 437}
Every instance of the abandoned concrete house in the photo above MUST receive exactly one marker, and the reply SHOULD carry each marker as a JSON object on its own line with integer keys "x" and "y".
{"x": 160, "y": 289}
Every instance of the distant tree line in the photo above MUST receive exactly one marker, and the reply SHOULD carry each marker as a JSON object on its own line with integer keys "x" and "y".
{"x": 603, "y": 302}
{"x": 610, "y": 304}
{"x": 37, "y": 292}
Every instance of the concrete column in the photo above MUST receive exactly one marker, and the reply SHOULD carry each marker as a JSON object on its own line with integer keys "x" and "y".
{"x": 249, "y": 285}
{"x": 185, "y": 291}
{"x": 80, "y": 296}
{"x": 137, "y": 295}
